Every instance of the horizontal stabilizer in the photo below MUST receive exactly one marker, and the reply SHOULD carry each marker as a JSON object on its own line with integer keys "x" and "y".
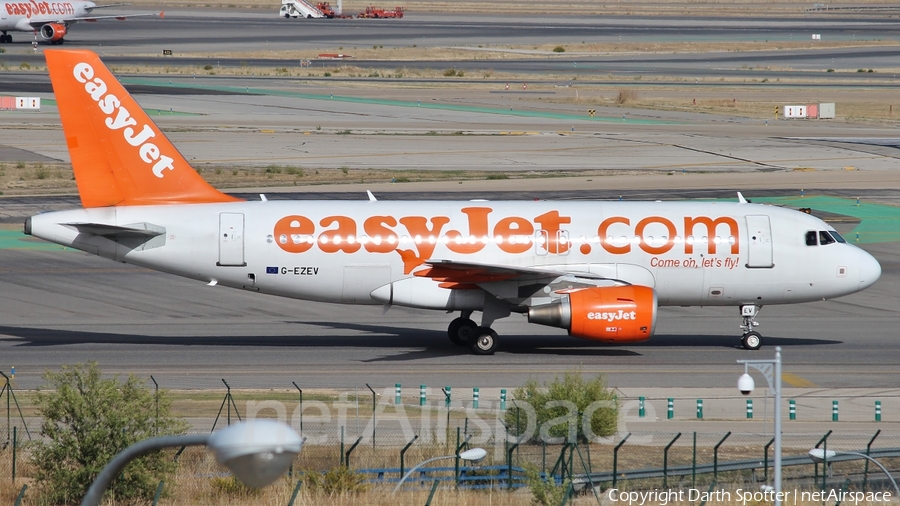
{"x": 137, "y": 230}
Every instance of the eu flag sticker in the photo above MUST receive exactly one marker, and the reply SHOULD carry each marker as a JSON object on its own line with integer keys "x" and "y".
{"x": 271, "y": 270}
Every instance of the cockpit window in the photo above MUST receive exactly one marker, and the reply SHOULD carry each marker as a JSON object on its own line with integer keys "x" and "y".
{"x": 837, "y": 236}
{"x": 825, "y": 238}
{"x": 812, "y": 238}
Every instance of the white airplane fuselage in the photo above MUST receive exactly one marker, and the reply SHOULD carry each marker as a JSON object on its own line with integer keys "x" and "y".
{"x": 752, "y": 254}
{"x": 26, "y": 15}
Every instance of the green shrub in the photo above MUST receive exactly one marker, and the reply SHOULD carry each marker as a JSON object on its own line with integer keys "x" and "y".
{"x": 207, "y": 67}
{"x": 558, "y": 409}
{"x": 87, "y": 421}
{"x": 340, "y": 480}
{"x": 449, "y": 72}
{"x": 559, "y": 49}
{"x": 231, "y": 486}
{"x": 544, "y": 492}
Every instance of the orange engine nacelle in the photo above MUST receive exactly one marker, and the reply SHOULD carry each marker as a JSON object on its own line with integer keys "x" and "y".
{"x": 615, "y": 314}
{"x": 53, "y": 31}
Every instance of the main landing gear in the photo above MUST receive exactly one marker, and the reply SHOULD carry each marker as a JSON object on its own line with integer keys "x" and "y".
{"x": 5, "y": 39}
{"x": 751, "y": 340}
{"x": 465, "y": 332}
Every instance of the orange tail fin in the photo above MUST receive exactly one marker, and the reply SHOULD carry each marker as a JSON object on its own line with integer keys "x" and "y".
{"x": 120, "y": 157}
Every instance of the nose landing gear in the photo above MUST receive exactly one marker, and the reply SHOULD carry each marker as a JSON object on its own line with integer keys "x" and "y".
{"x": 751, "y": 340}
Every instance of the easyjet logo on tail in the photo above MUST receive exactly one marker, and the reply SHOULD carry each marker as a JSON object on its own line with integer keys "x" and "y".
{"x": 120, "y": 119}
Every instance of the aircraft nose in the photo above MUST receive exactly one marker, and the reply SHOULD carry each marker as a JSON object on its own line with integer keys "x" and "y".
{"x": 869, "y": 270}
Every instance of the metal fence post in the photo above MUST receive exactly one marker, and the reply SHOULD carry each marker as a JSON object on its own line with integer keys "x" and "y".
{"x": 793, "y": 409}
{"x": 349, "y": 451}
{"x": 21, "y": 495}
{"x": 749, "y": 408}
{"x": 670, "y": 412}
{"x": 666, "y": 460}
{"x": 509, "y": 466}
{"x": 616, "y": 459}
{"x": 716, "y": 456}
{"x": 15, "y": 443}
{"x": 766, "y": 460}
{"x": 301, "y": 405}
{"x": 694, "y": 461}
{"x": 434, "y": 487}
{"x": 403, "y": 453}
{"x": 868, "y": 450}
{"x": 159, "y": 489}
{"x": 296, "y": 491}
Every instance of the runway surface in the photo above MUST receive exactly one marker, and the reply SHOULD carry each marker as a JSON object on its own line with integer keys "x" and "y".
{"x": 193, "y": 34}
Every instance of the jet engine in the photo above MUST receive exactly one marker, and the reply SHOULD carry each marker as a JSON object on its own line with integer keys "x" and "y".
{"x": 53, "y": 31}
{"x": 614, "y": 314}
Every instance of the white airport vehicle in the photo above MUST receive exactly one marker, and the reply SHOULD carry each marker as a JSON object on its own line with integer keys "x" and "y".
{"x": 299, "y": 9}
{"x": 597, "y": 269}
{"x": 49, "y": 18}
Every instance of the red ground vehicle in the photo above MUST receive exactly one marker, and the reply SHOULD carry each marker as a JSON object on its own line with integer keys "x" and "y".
{"x": 376, "y": 12}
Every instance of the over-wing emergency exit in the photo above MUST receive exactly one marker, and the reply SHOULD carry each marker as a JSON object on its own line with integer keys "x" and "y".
{"x": 598, "y": 269}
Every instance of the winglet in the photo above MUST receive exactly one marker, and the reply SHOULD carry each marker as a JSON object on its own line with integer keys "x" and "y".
{"x": 119, "y": 156}
{"x": 741, "y": 198}
{"x": 371, "y": 196}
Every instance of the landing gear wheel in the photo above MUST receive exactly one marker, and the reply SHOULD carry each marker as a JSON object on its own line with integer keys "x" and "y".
{"x": 459, "y": 331}
{"x": 751, "y": 341}
{"x": 483, "y": 341}
{"x": 5, "y": 39}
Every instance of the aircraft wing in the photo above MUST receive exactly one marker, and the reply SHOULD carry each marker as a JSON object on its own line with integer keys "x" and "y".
{"x": 511, "y": 283}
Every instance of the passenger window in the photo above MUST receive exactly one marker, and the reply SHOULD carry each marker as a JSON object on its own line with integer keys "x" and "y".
{"x": 825, "y": 238}
{"x": 837, "y": 236}
{"x": 811, "y": 238}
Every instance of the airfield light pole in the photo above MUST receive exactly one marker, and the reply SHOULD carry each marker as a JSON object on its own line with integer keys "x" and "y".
{"x": 257, "y": 452}
{"x": 819, "y": 455}
{"x": 771, "y": 370}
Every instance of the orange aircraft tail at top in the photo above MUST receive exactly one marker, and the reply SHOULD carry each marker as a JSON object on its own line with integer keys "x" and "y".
{"x": 119, "y": 156}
